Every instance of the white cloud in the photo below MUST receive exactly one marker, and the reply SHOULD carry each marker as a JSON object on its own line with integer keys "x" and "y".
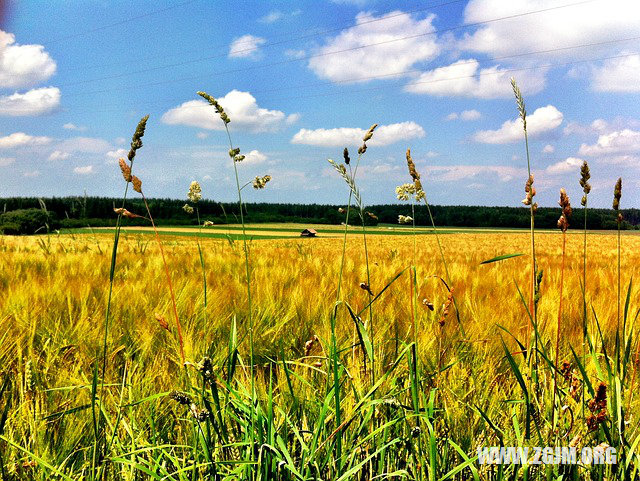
{"x": 241, "y": 107}
{"x": 59, "y": 155}
{"x": 32, "y": 103}
{"x": 465, "y": 78}
{"x": 595, "y": 127}
{"x": 453, "y": 173}
{"x": 246, "y": 46}
{"x": 5, "y": 161}
{"x": 271, "y": 17}
{"x": 23, "y": 65}
{"x": 339, "y": 137}
{"x": 31, "y": 173}
{"x": 548, "y": 149}
{"x": 620, "y": 142}
{"x": 254, "y": 157}
{"x": 469, "y": 115}
{"x": 544, "y": 119}
{"x": 567, "y": 165}
{"x": 113, "y": 155}
{"x": 20, "y": 139}
{"x": 466, "y": 115}
{"x": 87, "y": 169}
{"x": 85, "y": 145}
{"x": 70, "y": 126}
{"x": 584, "y": 23}
{"x": 202, "y": 135}
{"x": 618, "y": 75}
{"x": 384, "y": 56}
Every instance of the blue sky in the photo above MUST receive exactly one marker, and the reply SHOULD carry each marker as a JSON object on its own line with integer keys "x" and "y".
{"x": 302, "y": 80}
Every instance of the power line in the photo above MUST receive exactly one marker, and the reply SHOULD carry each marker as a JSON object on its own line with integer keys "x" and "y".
{"x": 324, "y": 54}
{"x": 423, "y": 82}
{"x": 120, "y": 22}
{"x": 288, "y": 35}
{"x": 369, "y": 77}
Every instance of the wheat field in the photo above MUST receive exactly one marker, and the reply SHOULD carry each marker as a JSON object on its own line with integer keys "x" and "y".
{"x": 52, "y": 311}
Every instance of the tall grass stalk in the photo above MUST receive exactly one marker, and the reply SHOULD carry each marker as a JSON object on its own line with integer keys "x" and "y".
{"x": 617, "y": 194}
{"x": 349, "y": 178}
{"x": 522, "y": 111}
{"x": 585, "y": 175}
{"x": 236, "y": 157}
{"x": 420, "y": 194}
{"x": 136, "y": 143}
{"x": 563, "y": 225}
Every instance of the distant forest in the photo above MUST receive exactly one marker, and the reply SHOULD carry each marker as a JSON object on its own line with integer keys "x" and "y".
{"x": 98, "y": 211}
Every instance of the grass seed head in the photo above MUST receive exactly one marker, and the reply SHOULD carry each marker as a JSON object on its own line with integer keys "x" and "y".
{"x": 213, "y": 102}
{"x": 585, "y": 175}
{"x": 617, "y": 194}
{"x": 195, "y": 192}
{"x": 136, "y": 141}
{"x": 369, "y": 133}
{"x": 522, "y": 110}
{"x": 126, "y": 170}
{"x": 162, "y": 322}
{"x": 563, "y": 221}
{"x": 261, "y": 182}
{"x": 125, "y": 213}
{"x": 345, "y": 154}
{"x": 188, "y": 209}
{"x": 137, "y": 184}
{"x": 181, "y": 398}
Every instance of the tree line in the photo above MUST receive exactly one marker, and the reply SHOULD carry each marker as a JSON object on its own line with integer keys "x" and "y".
{"x": 70, "y": 212}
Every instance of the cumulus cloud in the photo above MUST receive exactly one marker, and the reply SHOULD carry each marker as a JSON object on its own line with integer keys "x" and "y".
{"x": 548, "y": 149}
{"x": 20, "y": 139}
{"x": 23, "y": 65}
{"x": 339, "y": 137}
{"x": 242, "y": 108}
{"x": 465, "y": 78}
{"x": 543, "y": 120}
{"x": 59, "y": 155}
{"x": 113, "y": 155}
{"x": 585, "y": 23}
{"x": 618, "y": 75}
{"x": 32, "y": 103}
{"x": 247, "y": 46}
{"x": 5, "y": 161}
{"x": 621, "y": 142}
{"x": 452, "y": 173}
{"x": 384, "y": 56}
{"x": 254, "y": 157}
{"x": 85, "y": 170}
{"x": 567, "y": 165}
{"x": 466, "y": 115}
{"x": 85, "y": 145}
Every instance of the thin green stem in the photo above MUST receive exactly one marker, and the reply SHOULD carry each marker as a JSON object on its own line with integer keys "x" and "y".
{"x": 249, "y": 303}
